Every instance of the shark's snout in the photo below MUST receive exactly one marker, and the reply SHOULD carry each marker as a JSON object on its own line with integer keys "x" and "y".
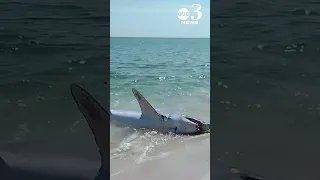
{"x": 202, "y": 127}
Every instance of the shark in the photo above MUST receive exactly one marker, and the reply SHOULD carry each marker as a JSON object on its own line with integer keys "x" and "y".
{"x": 149, "y": 118}
{"x": 22, "y": 166}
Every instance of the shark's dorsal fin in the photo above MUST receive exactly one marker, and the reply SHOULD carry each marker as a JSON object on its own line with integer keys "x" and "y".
{"x": 146, "y": 108}
{"x": 98, "y": 120}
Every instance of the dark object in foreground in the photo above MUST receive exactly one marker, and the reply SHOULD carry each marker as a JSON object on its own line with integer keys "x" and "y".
{"x": 18, "y": 167}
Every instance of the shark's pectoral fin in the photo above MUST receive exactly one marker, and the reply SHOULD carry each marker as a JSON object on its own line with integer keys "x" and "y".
{"x": 146, "y": 108}
{"x": 97, "y": 118}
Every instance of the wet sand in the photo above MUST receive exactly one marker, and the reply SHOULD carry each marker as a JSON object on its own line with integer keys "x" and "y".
{"x": 180, "y": 160}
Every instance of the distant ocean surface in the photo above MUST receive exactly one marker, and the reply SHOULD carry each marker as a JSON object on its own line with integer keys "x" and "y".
{"x": 172, "y": 74}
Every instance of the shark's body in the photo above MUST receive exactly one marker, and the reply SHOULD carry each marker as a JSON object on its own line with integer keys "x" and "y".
{"x": 34, "y": 167}
{"x": 149, "y": 118}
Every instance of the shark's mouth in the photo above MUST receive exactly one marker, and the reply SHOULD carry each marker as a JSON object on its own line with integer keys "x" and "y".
{"x": 201, "y": 126}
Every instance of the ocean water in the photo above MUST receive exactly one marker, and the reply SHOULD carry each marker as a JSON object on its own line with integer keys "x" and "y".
{"x": 174, "y": 76}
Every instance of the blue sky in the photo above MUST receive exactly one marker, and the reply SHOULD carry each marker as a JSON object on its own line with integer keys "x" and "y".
{"x": 156, "y": 18}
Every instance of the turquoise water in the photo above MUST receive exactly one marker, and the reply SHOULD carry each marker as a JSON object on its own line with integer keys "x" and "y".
{"x": 173, "y": 74}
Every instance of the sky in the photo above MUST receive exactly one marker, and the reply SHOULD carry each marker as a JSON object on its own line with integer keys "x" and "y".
{"x": 157, "y": 18}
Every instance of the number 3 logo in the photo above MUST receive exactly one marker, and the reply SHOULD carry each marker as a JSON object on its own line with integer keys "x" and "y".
{"x": 199, "y": 14}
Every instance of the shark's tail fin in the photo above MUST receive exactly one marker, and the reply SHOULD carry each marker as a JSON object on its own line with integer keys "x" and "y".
{"x": 98, "y": 120}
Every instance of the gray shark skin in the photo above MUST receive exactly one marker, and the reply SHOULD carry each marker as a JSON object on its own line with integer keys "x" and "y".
{"x": 33, "y": 167}
{"x": 149, "y": 118}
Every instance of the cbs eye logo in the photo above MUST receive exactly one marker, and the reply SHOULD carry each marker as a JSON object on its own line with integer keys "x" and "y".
{"x": 184, "y": 14}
